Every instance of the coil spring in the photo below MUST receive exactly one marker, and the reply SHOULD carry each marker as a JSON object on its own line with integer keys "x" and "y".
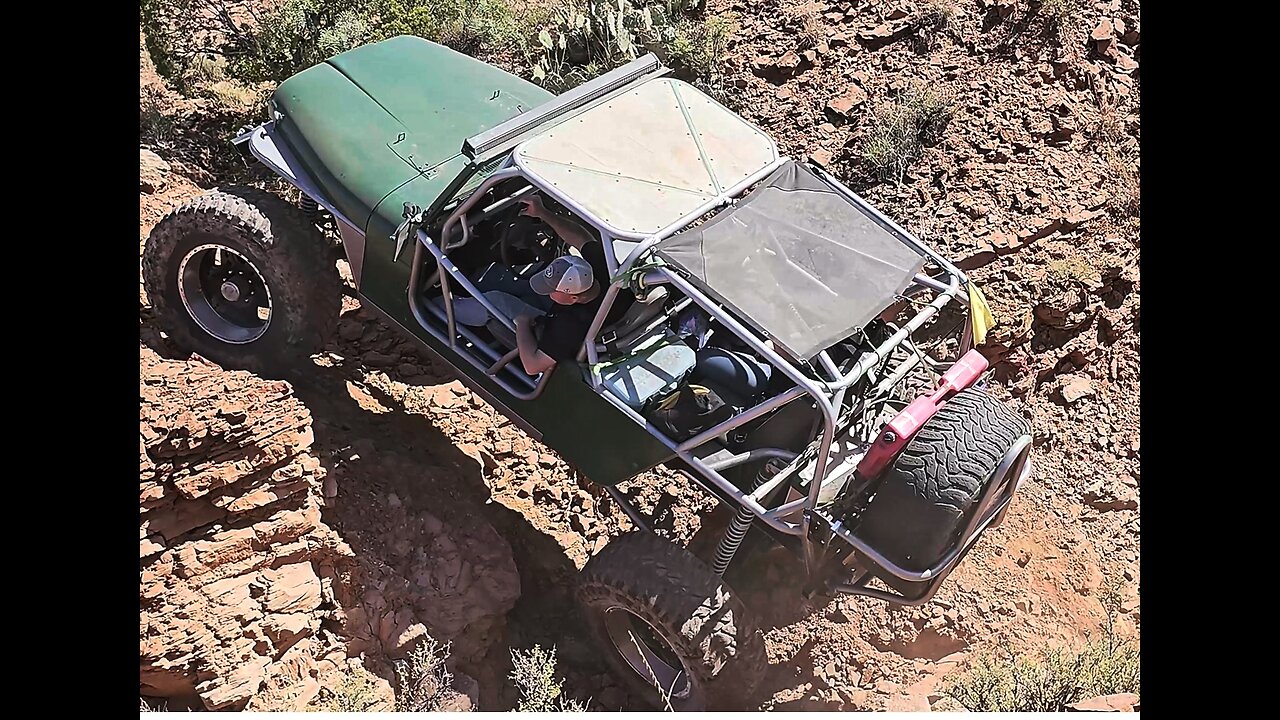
{"x": 309, "y": 206}
{"x": 741, "y": 523}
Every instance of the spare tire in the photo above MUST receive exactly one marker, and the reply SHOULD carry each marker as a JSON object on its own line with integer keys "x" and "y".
{"x": 928, "y": 494}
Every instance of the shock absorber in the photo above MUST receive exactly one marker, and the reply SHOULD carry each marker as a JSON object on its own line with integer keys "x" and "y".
{"x": 309, "y": 206}
{"x": 741, "y": 523}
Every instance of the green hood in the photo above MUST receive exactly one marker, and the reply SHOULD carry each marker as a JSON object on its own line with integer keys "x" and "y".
{"x": 371, "y": 119}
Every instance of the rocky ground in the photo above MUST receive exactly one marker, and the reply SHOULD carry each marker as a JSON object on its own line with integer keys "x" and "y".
{"x": 240, "y": 575}
{"x": 452, "y": 522}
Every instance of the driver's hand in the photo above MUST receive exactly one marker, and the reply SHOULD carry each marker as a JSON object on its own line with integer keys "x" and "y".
{"x": 533, "y": 207}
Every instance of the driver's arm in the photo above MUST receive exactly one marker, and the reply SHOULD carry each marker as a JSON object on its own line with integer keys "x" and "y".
{"x": 534, "y": 360}
{"x": 566, "y": 228}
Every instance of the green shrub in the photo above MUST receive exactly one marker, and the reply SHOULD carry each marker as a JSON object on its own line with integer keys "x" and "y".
{"x": 357, "y": 693}
{"x": 534, "y": 673}
{"x": 295, "y": 35}
{"x": 422, "y": 680}
{"x": 199, "y": 42}
{"x": 590, "y": 37}
{"x": 469, "y": 26}
{"x": 176, "y": 34}
{"x": 189, "y": 39}
{"x": 697, "y": 51}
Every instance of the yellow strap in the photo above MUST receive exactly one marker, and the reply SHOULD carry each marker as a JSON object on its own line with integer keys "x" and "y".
{"x": 979, "y": 314}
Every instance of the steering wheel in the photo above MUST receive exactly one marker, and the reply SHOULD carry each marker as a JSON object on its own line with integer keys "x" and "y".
{"x": 522, "y": 233}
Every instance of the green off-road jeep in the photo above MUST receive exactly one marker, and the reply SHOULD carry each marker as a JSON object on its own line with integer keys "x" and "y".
{"x": 725, "y": 254}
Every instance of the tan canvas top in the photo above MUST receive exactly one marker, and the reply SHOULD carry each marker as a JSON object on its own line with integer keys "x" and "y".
{"x": 648, "y": 157}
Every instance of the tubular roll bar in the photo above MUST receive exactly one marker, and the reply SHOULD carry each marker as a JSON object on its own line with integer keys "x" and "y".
{"x": 492, "y": 371}
{"x": 506, "y": 135}
{"x": 827, "y": 394}
{"x": 424, "y": 244}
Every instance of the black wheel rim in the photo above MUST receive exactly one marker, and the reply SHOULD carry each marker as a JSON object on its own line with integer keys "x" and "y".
{"x": 647, "y": 652}
{"x": 224, "y": 293}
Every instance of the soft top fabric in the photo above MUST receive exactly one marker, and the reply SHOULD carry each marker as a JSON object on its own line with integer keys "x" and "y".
{"x": 797, "y": 260}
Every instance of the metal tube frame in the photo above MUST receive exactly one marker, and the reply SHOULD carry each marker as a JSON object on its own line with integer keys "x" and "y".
{"x": 425, "y": 245}
{"x": 741, "y": 418}
{"x": 804, "y": 384}
{"x": 706, "y": 477}
{"x": 905, "y": 236}
{"x": 838, "y": 384}
{"x": 632, "y": 513}
{"x": 641, "y": 331}
{"x": 827, "y": 394}
{"x": 607, "y": 234}
{"x": 494, "y": 140}
{"x": 451, "y": 271}
{"x": 725, "y": 198}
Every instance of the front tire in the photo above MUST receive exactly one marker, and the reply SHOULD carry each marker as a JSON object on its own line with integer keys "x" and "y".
{"x": 662, "y": 618}
{"x": 244, "y": 279}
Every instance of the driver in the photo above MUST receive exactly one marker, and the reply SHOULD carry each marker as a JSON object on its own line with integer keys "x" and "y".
{"x": 574, "y": 284}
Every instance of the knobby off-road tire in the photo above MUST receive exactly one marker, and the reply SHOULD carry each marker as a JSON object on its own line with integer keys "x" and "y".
{"x": 644, "y": 586}
{"x": 929, "y": 492}
{"x": 269, "y": 242}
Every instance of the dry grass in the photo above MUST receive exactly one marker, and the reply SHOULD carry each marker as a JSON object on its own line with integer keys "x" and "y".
{"x": 238, "y": 98}
{"x": 804, "y": 22}
{"x": 1126, "y": 181}
{"x": 357, "y": 693}
{"x": 1057, "y": 677}
{"x": 1120, "y": 153}
{"x": 903, "y": 128}
{"x": 1072, "y": 268}
{"x": 1059, "y": 15}
{"x": 939, "y": 16}
{"x": 155, "y": 127}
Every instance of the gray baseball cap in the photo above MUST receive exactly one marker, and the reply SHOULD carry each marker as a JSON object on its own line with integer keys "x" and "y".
{"x": 567, "y": 274}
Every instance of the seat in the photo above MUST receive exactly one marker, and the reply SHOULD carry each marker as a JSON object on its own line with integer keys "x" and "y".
{"x": 652, "y": 371}
{"x": 624, "y": 333}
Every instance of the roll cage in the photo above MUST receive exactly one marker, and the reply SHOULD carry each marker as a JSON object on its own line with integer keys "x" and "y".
{"x": 449, "y": 226}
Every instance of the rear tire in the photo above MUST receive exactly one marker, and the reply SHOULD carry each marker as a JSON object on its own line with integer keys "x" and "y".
{"x": 928, "y": 494}
{"x": 643, "y": 593}
{"x": 210, "y": 264}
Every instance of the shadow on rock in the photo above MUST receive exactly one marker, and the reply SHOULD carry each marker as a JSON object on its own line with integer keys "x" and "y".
{"x": 432, "y": 546}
